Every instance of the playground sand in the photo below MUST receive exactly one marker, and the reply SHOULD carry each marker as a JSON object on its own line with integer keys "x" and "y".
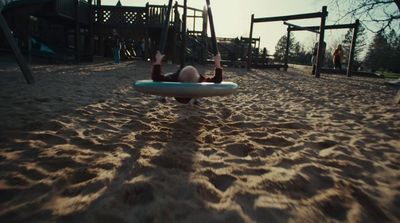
{"x": 82, "y": 146}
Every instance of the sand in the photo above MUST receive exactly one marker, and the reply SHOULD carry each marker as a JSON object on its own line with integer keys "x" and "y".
{"x": 82, "y": 146}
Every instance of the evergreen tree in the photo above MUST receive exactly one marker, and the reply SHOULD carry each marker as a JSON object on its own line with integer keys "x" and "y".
{"x": 280, "y": 48}
{"x": 378, "y": 55}
{"x": 297, "y": 53}
{"x": 394, "y": 54}
{"x": 360, "y": 44}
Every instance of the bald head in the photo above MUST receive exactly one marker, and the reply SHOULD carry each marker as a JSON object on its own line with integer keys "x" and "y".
{"x": 189, "y": 74}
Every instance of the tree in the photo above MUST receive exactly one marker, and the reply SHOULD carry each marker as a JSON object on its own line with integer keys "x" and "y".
{"x": 394, "y": 54}
{"x": 378, "y": 54}
{"x": 384, "y": 13}
{"x": 280, "y": 48}
{"x": 360, "y": 44}
{"x": 297, "y": 53}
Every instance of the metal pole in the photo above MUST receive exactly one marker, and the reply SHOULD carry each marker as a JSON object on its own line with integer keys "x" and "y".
{"x": 250, "y": 41}
{"x": 321, "y": 42}
{"x": 352, "y": 49}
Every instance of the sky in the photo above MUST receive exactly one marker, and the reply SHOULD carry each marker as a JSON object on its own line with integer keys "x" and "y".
{"x": 232, "y": 18}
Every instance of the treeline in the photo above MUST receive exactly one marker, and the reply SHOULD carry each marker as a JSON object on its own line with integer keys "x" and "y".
{"x": 384, "y": 53}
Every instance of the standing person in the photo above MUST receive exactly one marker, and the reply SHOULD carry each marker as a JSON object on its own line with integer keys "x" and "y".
{"x": 315, "y": 55}
{"x": 116, "y": 44}
{"x": 337, "y": 57}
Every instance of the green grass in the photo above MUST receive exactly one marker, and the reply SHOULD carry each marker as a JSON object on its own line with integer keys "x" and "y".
{"x": 390, "y": 75}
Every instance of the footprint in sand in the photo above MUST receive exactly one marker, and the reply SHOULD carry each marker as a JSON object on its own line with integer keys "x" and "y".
{"x": 247, "y": 203}
{"x": 251, "y": 171}
{"x": 299, "y": 186}
{"x": 53, "y": 164}
{"x": 207, "y": 192}
{"x": 240, "y": 150}
{"x": 319, "y": 145}
{"x": 81, "y": 175}
{"x": 49, "y": 139}
{"x": 140, "y": 193}
{"x": 221, "y": 182}
{"x": 335, "y": 207}
{"x": 273, "y": 141}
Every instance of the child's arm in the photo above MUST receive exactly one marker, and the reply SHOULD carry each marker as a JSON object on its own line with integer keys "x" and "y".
{"x": 218, "y": 76}
{"x": 156, "y": 71}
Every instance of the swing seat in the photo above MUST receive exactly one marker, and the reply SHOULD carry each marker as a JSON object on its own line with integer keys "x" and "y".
{"x": 185, "y": 90}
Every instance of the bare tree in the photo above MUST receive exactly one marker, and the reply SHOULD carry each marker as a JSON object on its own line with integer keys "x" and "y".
{"x": 376, "y": 15}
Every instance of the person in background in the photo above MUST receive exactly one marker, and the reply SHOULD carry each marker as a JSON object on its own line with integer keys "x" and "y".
{"x": 315, "y": 55}
{"x": 337, "y": 57}
{"x": 116, "y": 44}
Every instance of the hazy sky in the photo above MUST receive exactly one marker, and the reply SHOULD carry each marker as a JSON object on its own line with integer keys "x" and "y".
{"x": 232, "y": 18}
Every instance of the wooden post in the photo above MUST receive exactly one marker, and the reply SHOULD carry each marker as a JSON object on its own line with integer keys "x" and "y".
{"x": 77, "y": 32}
{"x": 91, "y": 29}
{"x": 204, "y": 35}
{"x": 184, "y": 33}
{"x": 175, "y": 37}
{"x": 287, "y": 48}
{"x": 250, "y": 41}
{"x": 20, "y": 59}
{"x": 164, "y": 33}
{"x": 29, "y": 37}
{"x": 212, "y": 28}
{"x": 194, "y": 20}
{"x": 321, "y": 42}
{"x": 146, "y": 35}
{"x": 352, "y": 49}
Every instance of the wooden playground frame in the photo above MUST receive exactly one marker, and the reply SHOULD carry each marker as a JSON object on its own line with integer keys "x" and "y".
{"x": 316, "y": 29}
{"x": 322, "y": 15}
{"x": 354, "y": 26}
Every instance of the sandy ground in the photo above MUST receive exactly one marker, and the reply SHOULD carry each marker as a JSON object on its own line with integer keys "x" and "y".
{"x": 82, "y": 146}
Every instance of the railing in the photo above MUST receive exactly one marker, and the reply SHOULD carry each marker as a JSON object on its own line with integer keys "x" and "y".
{"x": 156, "y": 14}
{"x": 151, "y": 15}
{"x": 111, "y": 15}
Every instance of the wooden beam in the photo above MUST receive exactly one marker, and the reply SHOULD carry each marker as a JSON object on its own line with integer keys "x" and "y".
{"x": 164, "y": 33}
{"x": 292, "y": 26}
{"x": 20, "y": 59}
{"x": 204, "y": 35}
{"x": 309, "y": 28}
{"x": 212, "y": 28}
{"x": 321, "y": 42}
{"x": 250, "y": 40}
{"x": 352, "y": 49}
{"x": 184, "y": 34}
{"x": 77, "y": 32}
{"x": 190, "y": 8}
{"x": 287, "y": 49}
{"x": 289, "y": 17}
{"x": 91, "y": 29}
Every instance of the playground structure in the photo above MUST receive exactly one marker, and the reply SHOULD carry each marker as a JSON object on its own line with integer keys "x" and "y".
{"x": 354, "y": 26}
{"x": 81, "y": 29}
{"x": 322, "y": 15}
{"x": 316, "y": 29}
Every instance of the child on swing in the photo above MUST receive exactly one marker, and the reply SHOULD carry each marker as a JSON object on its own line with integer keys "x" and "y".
{"x": 188, "y": 74}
